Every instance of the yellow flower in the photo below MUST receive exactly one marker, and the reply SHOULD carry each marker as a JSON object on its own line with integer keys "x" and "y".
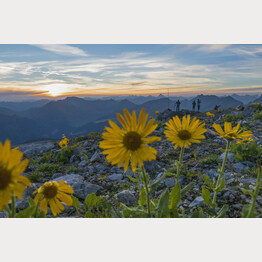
{"x": 11, "y": 167}
{"x": 184, "y": 133}
{"x": 238, "y": 109}
{"x": 130, "y": 143}
{"x": 63, "y": 143}
{"x": 230, "y": 133}
{"x": 210, "y": 114}
{"x": 256, "y": 104}
{"x": 53, "y": 192}
{"x": 157, "y": 112}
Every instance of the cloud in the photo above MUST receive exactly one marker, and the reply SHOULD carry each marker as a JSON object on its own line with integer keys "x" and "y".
{"x": 66, "y": 50}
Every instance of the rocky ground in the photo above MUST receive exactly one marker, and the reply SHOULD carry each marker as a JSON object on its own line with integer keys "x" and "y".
{"x": 84, "y": 167}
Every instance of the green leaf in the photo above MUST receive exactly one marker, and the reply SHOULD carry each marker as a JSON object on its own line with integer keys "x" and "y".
{"x": 186, "y": 189}
{"x": 206, "y": 195}
{"x": 89, "y": 215}
{"x": 92, "y": 201}
{"x": 132, "y": 179}
{"x": 142, "y": 196}
{"x": 207, "y": 180}
{"x": 155, "y": 184}
{"x": 198, "y": 213}
{"x": 162, "y": 207}
{"x": 76, "y": 203}
{"x": 174, "y": 196}
{"x": 168, "y": 174}
{"x": 222, "y": 184}
{"x": 222, "y": 211}
{"x": 26, "y": 213}
{"x": 31, "y": 202}
{"x": 247, "y": 191}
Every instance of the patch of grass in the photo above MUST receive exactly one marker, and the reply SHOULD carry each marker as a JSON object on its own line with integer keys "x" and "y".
{"x": 209, "y": 159}
{"x": 64, "y": 155}
{"x": 71, "y": 169}
{"x": 47, "y": 157}
{"x": 247, "y": 152}
{"x": 233, "y": 118}
{"x": 257, "y": 116}
{"x": 36, "y": 177}
{"x": 49, "y": 168}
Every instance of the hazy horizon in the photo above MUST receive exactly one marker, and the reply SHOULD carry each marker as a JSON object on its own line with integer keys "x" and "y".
{"x": 33, "y": 72}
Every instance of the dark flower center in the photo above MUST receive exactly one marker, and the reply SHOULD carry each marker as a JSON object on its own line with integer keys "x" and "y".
{"x": 5, "y": 178}
{"x": 184, "y": 135}
{"x": 50, "y": 191}
{"x": 132, "y": 140}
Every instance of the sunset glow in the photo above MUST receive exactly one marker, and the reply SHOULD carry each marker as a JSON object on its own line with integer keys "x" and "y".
{"x": 51, "y": 71}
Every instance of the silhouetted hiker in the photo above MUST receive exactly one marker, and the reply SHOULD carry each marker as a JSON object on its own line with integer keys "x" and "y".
{"x": 177, "y": 105}
{"x": 216, "y": 107}
{"x": 198, "y": 104}
{"x": 194, "y": 105}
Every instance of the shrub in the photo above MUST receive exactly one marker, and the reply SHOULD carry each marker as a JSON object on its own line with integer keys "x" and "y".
{"x": 209, "y": 159}
{"x": 257, "y": 116}
{"x": 247, "y": 151}
{"x": 64, "y": 155}
{"x": 233, "y": 118}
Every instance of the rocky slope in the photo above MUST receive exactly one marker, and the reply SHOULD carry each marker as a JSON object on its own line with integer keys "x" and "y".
{"x": 85, "y": 168}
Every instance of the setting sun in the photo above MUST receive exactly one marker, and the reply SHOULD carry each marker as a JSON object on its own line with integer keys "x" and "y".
{"x": 56, "y": 89}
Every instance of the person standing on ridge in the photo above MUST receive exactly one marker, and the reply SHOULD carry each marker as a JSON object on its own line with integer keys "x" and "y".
{"x": 198, "y": 104}
{"x": 194, "y": 105}
{"x": 178, "y": 105}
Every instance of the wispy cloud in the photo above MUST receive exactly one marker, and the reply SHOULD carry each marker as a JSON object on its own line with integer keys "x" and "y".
{"x": 65, "y": 50}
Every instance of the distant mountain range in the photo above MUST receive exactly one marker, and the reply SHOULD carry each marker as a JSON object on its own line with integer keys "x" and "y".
{"x": 26, "y": 121}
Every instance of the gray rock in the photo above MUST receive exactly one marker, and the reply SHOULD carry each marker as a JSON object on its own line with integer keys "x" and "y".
{"x": 115, "y": 177}
{"x": 73, "y": 159}
{"x": 36, "y": 148}
{"x": 100, "y": 169}
{"x": 198, "y": 202}
{"x": 95, "y": 157}
{"x": 239, "y": 167}
{"x": 3, "y": 215}
{"x": 127, "y": 198}
{"x": 249, "y": 180}
{"x": 230, "y": 157}
{"x": 81, "y": 187}
{"x": 170, "y": 181}
{"x": 23, "y": 204}
{"x": 56, "y": 175}
{"x": 212, "y": 173}
{"x": 130, "y": 173}
{"x": 82, "y": 163}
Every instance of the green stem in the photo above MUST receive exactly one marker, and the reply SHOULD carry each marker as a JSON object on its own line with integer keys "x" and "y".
{"x": 147, "y": 192}
{"x": 36, "y": 209}
{"x": 13, "y": 206}
{"x": 179, "y": 164}
{"x": 221, "y": 173}
{"x": 254, "y": 197}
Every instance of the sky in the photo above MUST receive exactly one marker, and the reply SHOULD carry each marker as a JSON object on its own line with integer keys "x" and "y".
{"x": 52, "y": 71}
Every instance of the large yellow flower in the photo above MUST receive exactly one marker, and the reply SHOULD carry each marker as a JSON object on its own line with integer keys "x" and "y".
{"x": 230, "y": 133}
{"x": 129, "y": 143}
{"x": 52, "y": 192}
{"x": 182, "y": 134}
{"x": 11, "y": 166}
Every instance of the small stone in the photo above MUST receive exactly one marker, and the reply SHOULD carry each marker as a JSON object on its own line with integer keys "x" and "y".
{"x": 230, "y": 157}
{"x": 82, "y": 163}
{"x": 127, "y": 198}
{"x": 115, "y": 177}
{"x": 95, "y": 157}
{"x": 199, "y": 201}
{"x": 239, "y": 167}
